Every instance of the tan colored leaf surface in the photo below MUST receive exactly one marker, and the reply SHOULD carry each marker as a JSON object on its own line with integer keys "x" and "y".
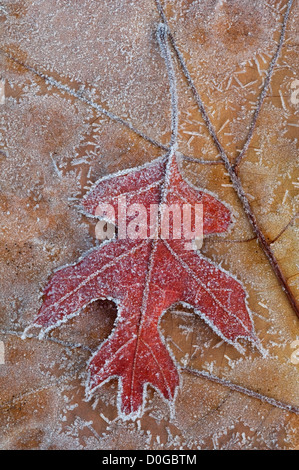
{"x": 57, "y": 141}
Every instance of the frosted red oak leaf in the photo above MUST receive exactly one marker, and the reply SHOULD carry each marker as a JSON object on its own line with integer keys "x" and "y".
{"x": 144, "y": 278}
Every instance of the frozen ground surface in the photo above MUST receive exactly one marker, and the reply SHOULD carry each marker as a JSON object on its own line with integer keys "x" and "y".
{"x": 56, "y": 142}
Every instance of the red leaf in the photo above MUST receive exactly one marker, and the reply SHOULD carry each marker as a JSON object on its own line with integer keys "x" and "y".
{"x": 144, "y": 278}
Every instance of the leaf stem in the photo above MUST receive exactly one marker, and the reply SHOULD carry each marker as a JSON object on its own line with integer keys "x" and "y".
{"x": 240, "y": 389}
{"x": 162, "y": 36}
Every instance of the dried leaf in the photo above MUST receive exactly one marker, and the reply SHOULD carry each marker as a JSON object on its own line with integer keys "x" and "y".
{"x": 87, "y": 95}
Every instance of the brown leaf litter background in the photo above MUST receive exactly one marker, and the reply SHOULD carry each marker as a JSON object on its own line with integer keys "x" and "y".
{"x": 57, "y": 141}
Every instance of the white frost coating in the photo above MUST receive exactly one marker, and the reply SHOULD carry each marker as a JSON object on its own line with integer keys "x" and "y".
{"x": 74, "y": 43}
